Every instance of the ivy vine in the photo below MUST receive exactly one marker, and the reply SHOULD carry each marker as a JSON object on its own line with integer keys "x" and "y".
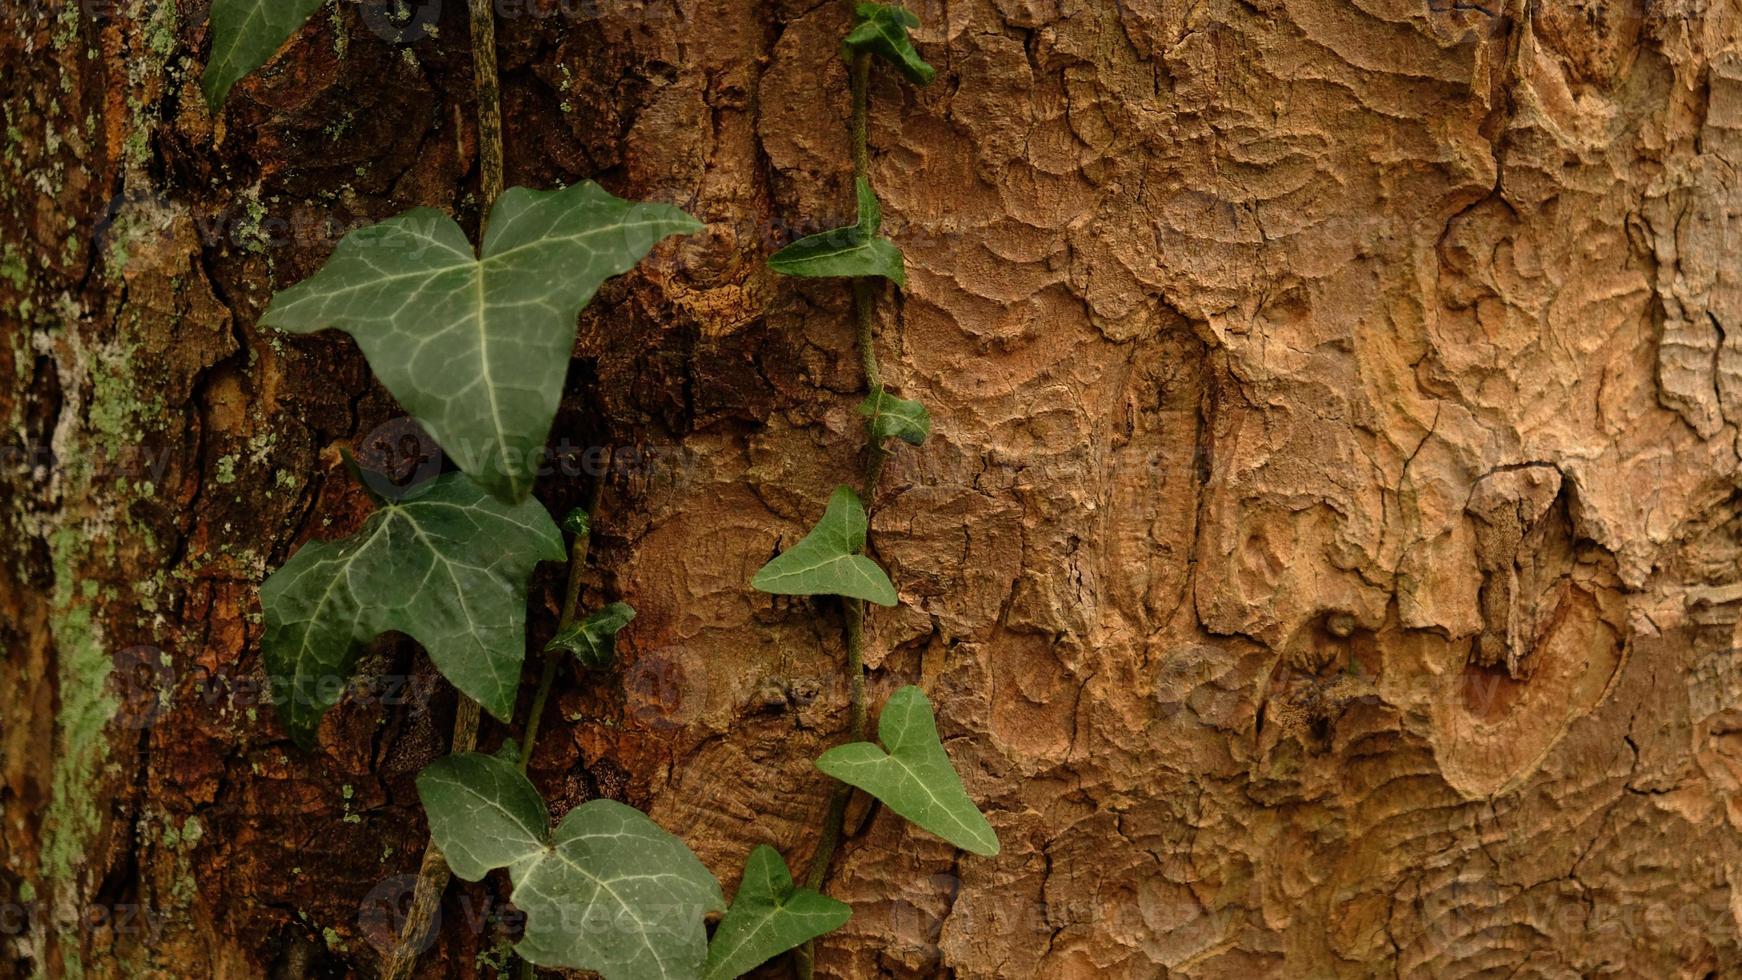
{"x": 474, "y": 343}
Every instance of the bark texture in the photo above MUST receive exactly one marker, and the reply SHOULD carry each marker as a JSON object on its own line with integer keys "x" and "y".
{"x": 1326, "y": 562}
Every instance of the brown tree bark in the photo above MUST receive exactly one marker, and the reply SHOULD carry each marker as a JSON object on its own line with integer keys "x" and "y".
{"x": 1325, "y": 564}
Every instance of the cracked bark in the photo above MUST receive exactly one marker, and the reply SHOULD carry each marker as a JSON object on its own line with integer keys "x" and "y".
{"x": 1234, "y": 317}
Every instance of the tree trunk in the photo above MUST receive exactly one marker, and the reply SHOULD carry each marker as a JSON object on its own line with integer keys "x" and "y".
{"x": 1325, "y": 563}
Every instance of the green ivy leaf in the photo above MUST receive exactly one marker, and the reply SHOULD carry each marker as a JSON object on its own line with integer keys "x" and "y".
{"x": 447, "y": 568}
{"x": 617, "y": 895}
{"x": 484, "y": 813}
{"x": 828, "y": 560}
{"x": 579, "y": 522}
{"x": 892, "y": 417}
{"x": 914, "y": 777}
{"x": 245, "y": 35}
{"x": 593, "y": 639}
{"x": 853, "y": 251}
{"x": 881, "y": 29}
{"x": 768, "y": 917}
{"x": 610, "y": 892}
{"x": 477, "y": 349}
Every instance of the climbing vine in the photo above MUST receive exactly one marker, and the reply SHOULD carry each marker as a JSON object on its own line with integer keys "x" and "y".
{"x": 474, "y": 343}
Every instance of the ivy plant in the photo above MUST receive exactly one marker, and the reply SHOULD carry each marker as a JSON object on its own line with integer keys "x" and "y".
{"x": 474, "y": 343}
{"x": 769, "y": 916}
{"x": 855, "y": 250}
{"x": 245, "y": 35}
{"x": 608, "y": 890}
{"x": 883, "y": 30}
{"x": 828, "y": 560}
{"x": 476, "y": 349}
{"x": 447, "y": 567}
{"x": 910, "y": 773}
{"x": 890, "y": 417}
{"x": 593, "y": 639}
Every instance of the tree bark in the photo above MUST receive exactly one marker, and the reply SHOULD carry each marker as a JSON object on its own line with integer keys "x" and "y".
{"x": 1325, "y": 562}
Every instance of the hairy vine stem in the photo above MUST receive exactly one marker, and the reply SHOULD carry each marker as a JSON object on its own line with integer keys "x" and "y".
{"x": 433, "y": 873}
{"x": 864, "y": 319}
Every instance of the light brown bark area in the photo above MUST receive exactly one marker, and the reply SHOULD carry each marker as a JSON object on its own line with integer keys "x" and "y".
{"x": 1325, "y": 563}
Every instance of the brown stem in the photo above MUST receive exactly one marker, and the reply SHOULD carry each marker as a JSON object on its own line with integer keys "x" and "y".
{"x": 861, "y": 81}
{"x": 571, "y": 609}
{"x": 486, "y": 83}
{"x": 433, "y": 873}
{"x": 865, "y": 323}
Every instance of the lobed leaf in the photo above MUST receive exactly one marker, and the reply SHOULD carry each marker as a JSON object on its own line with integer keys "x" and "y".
{"x": 768, "y": 917}
{"x": 882, "y": 30}
{"x": 592, "y": 639}
{"x": 610, "y": 891}
{"x": 852, "y": 251}
{"x": 828, "y": 560}
{"x": 898, "y": 418}
{"x": 477, "y": 348}
{"x": 914, "y": 776}
{"x": 245, "y": 35}
{"x": 618, "y": 895}
{"x": 447, "y": 568}
{"x": 484, "y": 813}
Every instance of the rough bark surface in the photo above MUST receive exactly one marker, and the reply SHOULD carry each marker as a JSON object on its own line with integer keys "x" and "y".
{"x": 1326, "y": 563}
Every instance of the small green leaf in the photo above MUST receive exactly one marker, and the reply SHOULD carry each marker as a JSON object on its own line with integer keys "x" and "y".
{"x": 579, "y": 522}
{"x": 484, "y": 813}
{"x": 611, "y": 891}
{"x": 892, "y": 417}
{"x": 881, "y": 29}
{"x": 448, "y": 568}
{"x": 593, "y": 638}
{"x": 828, "y": 560}
{"x": 768, "y": 917}
{"x": 477, "y": 349}
{"x": 853, "y": 251}
{"x": 619, "y": 896}
{"x": 914, "y": 777}
{"x": 245, "y": 35}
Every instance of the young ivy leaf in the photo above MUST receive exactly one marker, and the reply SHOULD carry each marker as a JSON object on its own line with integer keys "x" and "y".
{"x": 610, "y": 891}
{"x": 853, "y": 251}
{"x": 914, "y": 777}
{"x": 579, "y": 522}
{"x": 892, "y": 417}
{"x": 593, "y": 638}
{"x": 768, "y": 917}
{"x": 477, "y": 348}
{"x": 484, "y": 813}
{"x": 827, "y": 561}
{"x": 881, "y": 29}
{"x": 447, "y": 568}
{"x": 245, "y": 35}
